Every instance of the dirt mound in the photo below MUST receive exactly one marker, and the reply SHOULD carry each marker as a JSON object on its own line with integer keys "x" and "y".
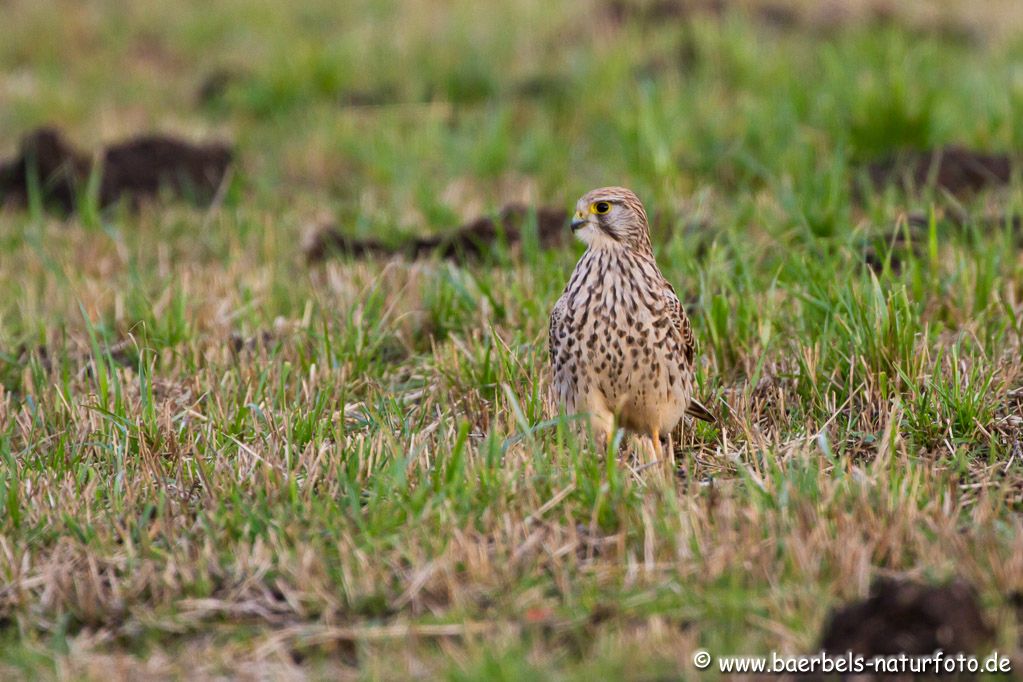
{"x": 60, "y": 170}
{"x": 469, "y": 242}
{"x": 822, "y": 17}
{"x": 655, "y": 12}
{"x": 957, "y": 170}
{"x": 134, "y": 170}
{"x": 659, "y": 11}
{"x": 906, "y": 616}
{"x": 143, "y": 166}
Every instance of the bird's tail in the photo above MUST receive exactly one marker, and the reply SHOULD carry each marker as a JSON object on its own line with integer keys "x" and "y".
{"x": 697, "y": 409}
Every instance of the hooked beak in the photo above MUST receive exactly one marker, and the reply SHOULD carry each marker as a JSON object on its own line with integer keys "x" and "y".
{"x": 578, "y": 220}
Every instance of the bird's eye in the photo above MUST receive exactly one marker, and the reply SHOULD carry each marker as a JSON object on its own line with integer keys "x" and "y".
{"x": 601, "y": 207}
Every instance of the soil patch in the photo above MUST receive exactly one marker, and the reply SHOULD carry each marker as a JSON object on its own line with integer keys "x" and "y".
{"x": 957, "y": 170}
{"x": 659, "y": 11}
{"x": 469, "y": 242}
{"x": 821, "y": 17}
{"x": 906, "y": 616}
{"x": 134, "y": 170}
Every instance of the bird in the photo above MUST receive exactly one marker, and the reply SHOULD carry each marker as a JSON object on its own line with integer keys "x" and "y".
{"x": 621, "y": 347}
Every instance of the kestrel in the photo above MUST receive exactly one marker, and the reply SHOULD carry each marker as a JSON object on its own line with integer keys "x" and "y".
{"x": 620, "y": 343}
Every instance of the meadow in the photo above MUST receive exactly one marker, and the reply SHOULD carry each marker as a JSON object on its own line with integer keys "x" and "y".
{"x": 220, "y": 459}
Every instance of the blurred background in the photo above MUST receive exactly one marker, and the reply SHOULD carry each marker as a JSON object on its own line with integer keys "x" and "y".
{"x": 414, "y": 116}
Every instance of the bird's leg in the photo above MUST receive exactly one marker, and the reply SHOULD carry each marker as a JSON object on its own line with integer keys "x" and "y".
{"x": 663, "y": 458}
{"x": 666, "y": 442}
{"x": 600, "y": 439}
{"x": 665, "y": 455}
{"x": 668, "y": 445}
{"x": 648, "y": 447}
{"x": 668, "y": 448}
{"x": 602, "y": 432}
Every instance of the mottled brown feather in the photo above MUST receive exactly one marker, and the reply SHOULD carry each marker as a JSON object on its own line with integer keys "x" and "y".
{"x": 620, "y": 343}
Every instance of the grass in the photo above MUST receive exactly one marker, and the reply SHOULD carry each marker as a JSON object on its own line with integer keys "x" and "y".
{"x": 217, "y": 460}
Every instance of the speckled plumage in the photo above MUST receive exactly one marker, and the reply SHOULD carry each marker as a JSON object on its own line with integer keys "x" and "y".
{"x": 621, "y": 346}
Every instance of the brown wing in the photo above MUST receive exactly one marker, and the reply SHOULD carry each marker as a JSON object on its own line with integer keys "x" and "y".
{"x": 681, "y": 322}
{"x": 552, "y": 330}
{"x": 685, "y": 330}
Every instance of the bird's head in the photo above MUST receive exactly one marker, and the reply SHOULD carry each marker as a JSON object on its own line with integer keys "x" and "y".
{"x": 610, "y": 218}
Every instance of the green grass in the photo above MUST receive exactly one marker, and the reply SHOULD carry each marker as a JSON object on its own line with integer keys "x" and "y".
{"x": 219, "y": 460}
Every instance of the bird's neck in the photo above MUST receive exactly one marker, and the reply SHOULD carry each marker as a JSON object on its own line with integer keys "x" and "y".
{"x": 616, "y": 252}
{"x": 601, "y": 266}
